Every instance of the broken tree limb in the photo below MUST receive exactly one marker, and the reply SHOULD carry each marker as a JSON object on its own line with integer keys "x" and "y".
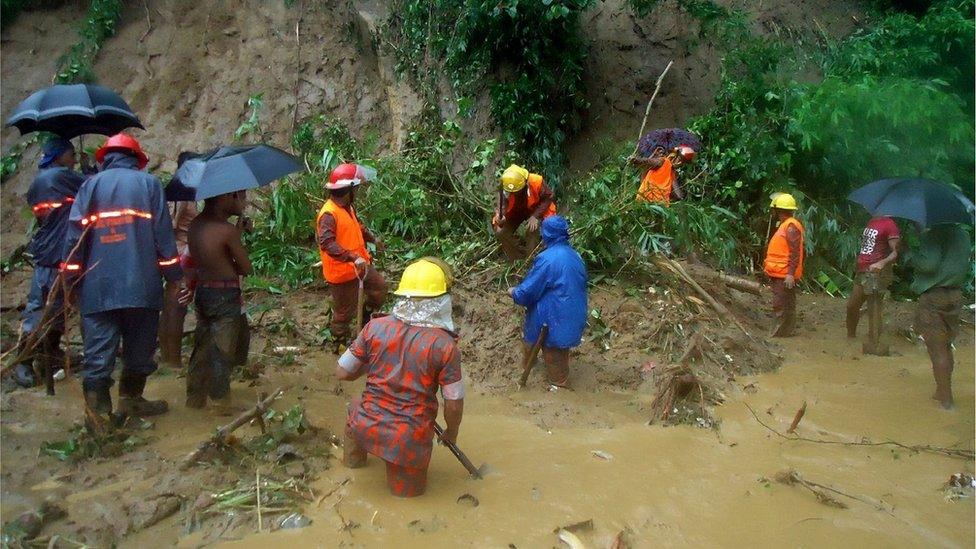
{"x": 722, "y": 310}
{"x": 647, "y": 110}
{"x": 220, "y": 437}
{"x": 741, "y": 284}
{"x": 797, "y": 418}
{"x": 951, "y": 452}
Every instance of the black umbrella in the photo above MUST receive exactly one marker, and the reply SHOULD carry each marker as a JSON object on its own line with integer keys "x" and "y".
{"x": 230, "y": 169}
{"x": 667, "y": 139}
{"x": 73, "y": 110}
{"x": 922, "y": 200}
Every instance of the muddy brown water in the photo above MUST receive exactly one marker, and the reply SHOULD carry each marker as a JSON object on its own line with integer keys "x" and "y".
{"x": 675, "y": 486}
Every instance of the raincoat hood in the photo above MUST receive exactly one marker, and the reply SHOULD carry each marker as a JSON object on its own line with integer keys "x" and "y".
{"x": 53, "y": 149}
{"x": 554, "y": 230}
{"x": 119, "y": 159}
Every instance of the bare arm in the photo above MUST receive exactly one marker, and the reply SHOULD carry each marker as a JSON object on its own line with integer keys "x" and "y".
{"x": 890, "y": 258}
{"x": 453, "y": 410}
{"x": 653, "y": 162}
{"x": 242, "y": 263}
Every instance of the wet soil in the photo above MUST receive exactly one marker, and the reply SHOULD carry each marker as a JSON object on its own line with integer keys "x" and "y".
{"x": 555, "y": 458}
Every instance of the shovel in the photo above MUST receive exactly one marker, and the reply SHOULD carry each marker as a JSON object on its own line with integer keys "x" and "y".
{"x": 478, "y": 473}
{"x": 529, "y": 361}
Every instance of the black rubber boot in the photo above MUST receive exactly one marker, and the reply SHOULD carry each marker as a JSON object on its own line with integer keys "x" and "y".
{"x": 131, "y": 401}
{"x": 99, "y": 400}
{"x": 24, "y": 375}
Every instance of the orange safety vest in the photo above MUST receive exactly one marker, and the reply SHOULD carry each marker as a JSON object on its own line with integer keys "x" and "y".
{"x": 349, "y": 235}
{"x": 534, "y": 189}
{"x": 657, "y": 183}
{"x": 778, "y": 252}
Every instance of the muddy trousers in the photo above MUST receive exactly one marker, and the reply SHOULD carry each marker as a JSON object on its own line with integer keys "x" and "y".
{"x": 784, "y": 308}
{"x": 102, "y": 332}
{"x": 171, "y": 322}
{"x": 41, "y": 282}
{"x": 405, "y": 482}
{"x": 868, "y": 287}
{"x": 220, "y": 343}
{"x": 510, "y": 242}
{"x": 937, "y": 321}
{"x": 557, "y": 364}
{"x": 345, "y": 298}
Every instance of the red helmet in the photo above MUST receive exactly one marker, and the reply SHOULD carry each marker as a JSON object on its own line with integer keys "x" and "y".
{"x": 122, "y": 142}
{"x": 349, "y": 175}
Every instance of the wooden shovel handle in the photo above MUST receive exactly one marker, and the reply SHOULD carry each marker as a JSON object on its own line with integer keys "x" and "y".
{"x": 533, "y": 353}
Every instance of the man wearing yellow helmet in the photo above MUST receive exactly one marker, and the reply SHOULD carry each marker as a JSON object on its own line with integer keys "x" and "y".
{"x": 784, "y": 263}
{"x": 523, "y": 196}
{"x": 405, "y": 357}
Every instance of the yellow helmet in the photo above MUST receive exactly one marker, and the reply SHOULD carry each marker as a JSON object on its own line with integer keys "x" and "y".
{"x": 514, "y": 177}
{"x": 448, "y": 271}
{"x": 422, "y": 278}
{"x": 782, "y": 201}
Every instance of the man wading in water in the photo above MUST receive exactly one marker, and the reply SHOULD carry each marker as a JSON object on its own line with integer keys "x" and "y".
{"x": 221, "y": 338}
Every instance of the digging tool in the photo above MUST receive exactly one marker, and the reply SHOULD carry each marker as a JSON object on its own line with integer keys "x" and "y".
{"x": 529, "y": 360}
{"x": 360, "y": 303}
{"x": 478, "y": 473}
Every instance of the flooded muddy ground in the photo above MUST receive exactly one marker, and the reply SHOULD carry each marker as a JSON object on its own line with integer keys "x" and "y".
{"x": 556, "y": 458}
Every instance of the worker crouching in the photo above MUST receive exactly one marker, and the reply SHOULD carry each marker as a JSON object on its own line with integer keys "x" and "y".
{"x": 554, "y": 294}
{"x": 784, "y": 263}
{"x": 523, "y": 197}
{"x": 346, "y": 263}
{"x": 405, "y": 357}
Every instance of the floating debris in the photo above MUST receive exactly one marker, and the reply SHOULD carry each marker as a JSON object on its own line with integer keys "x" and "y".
{"x": 602, "y": 455}
{"x": 468, "y": 499}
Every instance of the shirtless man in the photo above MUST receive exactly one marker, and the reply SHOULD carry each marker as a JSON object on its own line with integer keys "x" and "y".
{"x": 222, "y": 337}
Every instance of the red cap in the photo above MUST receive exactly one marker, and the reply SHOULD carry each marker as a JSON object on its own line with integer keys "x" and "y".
{"x": 122, "y": 142}
{"x": 349, "y": 175}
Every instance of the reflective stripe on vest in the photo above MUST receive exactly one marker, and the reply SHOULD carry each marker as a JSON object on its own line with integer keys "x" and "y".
{"x": 349, "y": 235}
{"x": 534, "y": 189}
{"x": 657, "y": 184}
{"x": 778, "y": 252}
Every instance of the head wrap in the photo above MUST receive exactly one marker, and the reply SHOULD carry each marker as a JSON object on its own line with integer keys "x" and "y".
{"x": 554, "y": 230}
{"x": 426, "y": 312}
{"x": 54, "y": 148}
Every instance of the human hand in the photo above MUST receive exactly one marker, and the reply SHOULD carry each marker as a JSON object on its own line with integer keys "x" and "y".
{"x": 360, "y": 265}
{"x": 245, "y": 223}
{"x": 84, "y": 160}
{"x": 380, "y": 245}
{"x": 532, "y": 224}
{"x": 184, "y": 295}
{"x": 876, "y": 267}
{"x": 790, "y": 282}
{"x": 511, "y": 292}
{"x": 450, "y": 435}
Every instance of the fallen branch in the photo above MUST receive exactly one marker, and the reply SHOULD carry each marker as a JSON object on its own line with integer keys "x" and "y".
{"x": 797, "y": 418}
{"x": 951, "y": 452}
{"x": 220, "y": 437}
{"x": 647, "y": 110}
{"x": 823, "y": 492}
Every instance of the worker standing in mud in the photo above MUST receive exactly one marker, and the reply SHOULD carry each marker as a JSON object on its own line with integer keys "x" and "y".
{"x": 173, "y": 316}
{"x": 220, "y": 260}
{"x": 523, "y": 197}
{"x": 943, "y": 265}
{"x": 346, "y": 263}
{"x": 660, "y": 183}
{"x": 554, "y": 295}
{"x": 877, "y": 255}
{"x": 50, "y": 197}
{"x": 784, "y": 263}
{"x": 405, "y": 357}
{"x": 127, "y": 250}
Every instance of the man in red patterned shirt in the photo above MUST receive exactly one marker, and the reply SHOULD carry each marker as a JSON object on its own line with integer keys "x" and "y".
{"x": 405, "y": 357}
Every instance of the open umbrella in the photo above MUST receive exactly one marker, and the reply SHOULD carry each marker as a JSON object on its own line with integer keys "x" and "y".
{"x": 230, "y": 169}
{"x": 922, "y": 200}
{"x": 667, "y": 139}
{"x": 73, "y": 110}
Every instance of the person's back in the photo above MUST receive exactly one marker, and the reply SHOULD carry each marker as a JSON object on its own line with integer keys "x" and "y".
{"x": 50, "y": 197}
{"x": 943, "y": 258}
{"x": 120, "y": 257}
{"x": 209, "y": 241}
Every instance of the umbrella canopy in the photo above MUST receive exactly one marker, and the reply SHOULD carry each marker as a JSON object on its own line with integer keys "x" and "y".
{"x": 667, "y": 139}
{"x": 922, "y": 200}
{"x": 230, "y": 169}
{"x": 73, "y": 110}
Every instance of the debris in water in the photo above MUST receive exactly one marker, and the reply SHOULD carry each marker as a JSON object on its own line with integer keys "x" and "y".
{"x": 29, "y": 524}
{"x": 602, "y": 455}
{"x": 959, "y": 486}
{"x": 797, "y": 418}
{"x": 294, "y": 521}
{"x": 468, "y": 499}
{"x": 581, "y": 526}
{"x": 536, "y": 494}
{"x": 570, "y": 539}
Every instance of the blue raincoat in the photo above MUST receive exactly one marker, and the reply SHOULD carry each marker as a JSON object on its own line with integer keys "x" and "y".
{"x": 554, "y": 290}
{"x": 130, "y": 247}
{"x": 50, "y": 197}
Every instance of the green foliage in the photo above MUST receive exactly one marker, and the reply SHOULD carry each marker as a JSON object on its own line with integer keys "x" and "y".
{"x": 251, "y": 126}
{"x": 77, "y": 64}
{"x": 11, "y": 161}
{"x": 81, "y": 445}
{"x": 530, "y": 54}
